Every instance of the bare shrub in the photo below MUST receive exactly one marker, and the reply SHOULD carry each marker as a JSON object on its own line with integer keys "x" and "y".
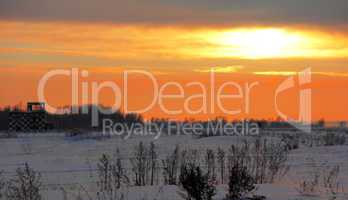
{"x": 331, "y": 139}
{"x": 118, "y": 171}
{"x": 110, "y": 177}
{"x": 170, "y": 167}
{"x": 330, "y": 180}
{"x": 238, "y": 155}
{"x": 221, "y": 163}
{"x": 259, "y": 164}
{"x": 140, "y": 164}
{"x": 210, "y": 163}
{"x": 153, "y": 162}
{"x": 25, "y": 186}
{"x": 277, "y": 157}
{"x": 190, "y": 156}
{"x": 321, "y": 181}
{"x": 310, "y": 186}
{"x": 265, "y": 160}
{"x": 326, "y": 138}
{"x": 104, "y": 172}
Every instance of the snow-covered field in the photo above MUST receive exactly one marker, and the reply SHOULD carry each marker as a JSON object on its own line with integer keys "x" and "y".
{"x": 68, "y": 163}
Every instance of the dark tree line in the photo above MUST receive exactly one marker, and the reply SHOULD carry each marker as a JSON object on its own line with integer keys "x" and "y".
{"x": 82, "y": 120}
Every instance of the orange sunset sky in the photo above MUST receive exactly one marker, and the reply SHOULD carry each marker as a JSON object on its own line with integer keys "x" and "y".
{"x": 183, "y": 41}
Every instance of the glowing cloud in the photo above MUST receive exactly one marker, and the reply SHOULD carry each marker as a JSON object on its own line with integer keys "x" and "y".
{"x": 227, "y": 69}
{"x": 275, "y": 73}
{"x": 290, "y": 73}
{"x": 80, "y": 42}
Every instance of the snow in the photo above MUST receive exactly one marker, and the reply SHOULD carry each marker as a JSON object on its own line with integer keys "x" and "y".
{"x": 70, "y": 163}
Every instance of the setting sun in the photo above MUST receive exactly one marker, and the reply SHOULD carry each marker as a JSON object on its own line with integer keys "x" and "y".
{"x": 263, "y": 43}
{"x": 259, "y": 43}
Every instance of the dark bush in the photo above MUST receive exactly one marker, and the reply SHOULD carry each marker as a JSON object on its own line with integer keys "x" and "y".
{"x": 240, "y": 183}
{"x": 196, "y": 184}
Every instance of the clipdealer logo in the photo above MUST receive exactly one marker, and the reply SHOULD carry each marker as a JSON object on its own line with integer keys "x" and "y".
{"x": 303, "y": 122}
{"x": 213, "y": 93}
{"x": 216, "y": 95}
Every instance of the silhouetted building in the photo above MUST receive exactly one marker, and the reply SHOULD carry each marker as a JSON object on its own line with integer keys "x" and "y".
{"x": 32, "y": 120}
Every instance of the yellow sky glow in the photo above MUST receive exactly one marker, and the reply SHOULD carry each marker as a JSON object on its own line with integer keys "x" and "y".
{"x": 259, "y": 43}
{"x": 140, "y": 42}
{"x": 265, "y": 54}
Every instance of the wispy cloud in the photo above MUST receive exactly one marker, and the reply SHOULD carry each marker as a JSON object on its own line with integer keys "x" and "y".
{"x": 291, "y": 73}
{"x": 276, "y": 73}
{"x": 331, "y": 74}
{"x": 227, "y": 69}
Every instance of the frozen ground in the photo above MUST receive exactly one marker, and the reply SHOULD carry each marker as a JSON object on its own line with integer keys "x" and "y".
{"x": 70, "y": 163}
